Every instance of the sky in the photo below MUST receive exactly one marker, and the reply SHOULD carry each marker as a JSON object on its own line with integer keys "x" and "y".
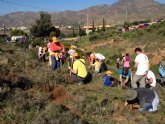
{"x": 8, "y": 6}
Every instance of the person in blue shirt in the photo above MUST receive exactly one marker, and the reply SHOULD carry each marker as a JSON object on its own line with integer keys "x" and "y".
{"x": 124, "y": 76}
{"x": 107, "y": 79}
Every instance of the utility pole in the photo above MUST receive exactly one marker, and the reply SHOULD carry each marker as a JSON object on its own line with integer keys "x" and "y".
{"x": 87, "y": 30}
{"x": 4, "y": 31}
{"x": 126, "y": 13}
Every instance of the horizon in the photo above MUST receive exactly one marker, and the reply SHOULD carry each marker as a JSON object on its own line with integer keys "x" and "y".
{"x": 8, "y": 6}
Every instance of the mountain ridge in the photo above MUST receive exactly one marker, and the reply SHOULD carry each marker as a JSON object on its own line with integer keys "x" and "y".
{"x": 136, "y": 10}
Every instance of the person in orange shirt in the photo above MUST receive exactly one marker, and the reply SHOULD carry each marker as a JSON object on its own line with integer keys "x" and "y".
{"x": 55, "y": 49}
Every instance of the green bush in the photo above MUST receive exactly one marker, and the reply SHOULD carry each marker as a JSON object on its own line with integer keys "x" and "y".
{"x": 38, "y": 42}
{"x": 161, "y": 32}
{"x": 94, "y": 37}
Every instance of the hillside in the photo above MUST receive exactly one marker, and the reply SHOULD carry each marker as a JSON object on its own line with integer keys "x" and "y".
{"x": 32, "y": 94}
{"x": 136, "y": 10}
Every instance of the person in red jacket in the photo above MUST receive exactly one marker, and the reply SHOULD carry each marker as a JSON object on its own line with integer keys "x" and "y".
{"x": 55, "y": 49}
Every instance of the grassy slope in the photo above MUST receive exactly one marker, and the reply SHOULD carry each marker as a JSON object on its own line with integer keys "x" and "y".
{"x": 48, "y": 97}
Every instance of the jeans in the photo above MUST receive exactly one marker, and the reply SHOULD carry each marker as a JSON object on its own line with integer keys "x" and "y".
{"x": 148, "y": 107}
{"x": 76, "y": 78}
{"x": 55, "y": 63}
{"x": 155, "y": 103}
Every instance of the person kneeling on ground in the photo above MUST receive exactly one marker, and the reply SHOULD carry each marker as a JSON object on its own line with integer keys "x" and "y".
{"x": 124, "y": 77}
{"x": 79, "y": 71}
{"x": 107, "y": 79}
{"x": 147, "y": 99}
{"x": 97, "y": 65}
{"x": 150, "y": 79}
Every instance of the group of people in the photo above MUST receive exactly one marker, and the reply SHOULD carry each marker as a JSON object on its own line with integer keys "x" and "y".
{"x": 142, "y": 94}
{"x": 140, "y": 86}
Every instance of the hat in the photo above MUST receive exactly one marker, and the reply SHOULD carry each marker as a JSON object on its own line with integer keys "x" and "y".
{"x": 108, "y": 72}
{"x": 92, "y": 56}
{"x": 54, "y": 39}
{"x": 131, "y": 94}
{"x": 72, "y": 46}
{"x": 75, "y": 55}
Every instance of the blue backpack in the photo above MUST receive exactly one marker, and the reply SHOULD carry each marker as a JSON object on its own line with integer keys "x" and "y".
{"x": 162, "y": 71}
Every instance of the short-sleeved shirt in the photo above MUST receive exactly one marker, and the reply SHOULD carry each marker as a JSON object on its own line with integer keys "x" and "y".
{"x": 99, "y": 56}
{"x": 145, "y": 95}
{"x": 126, "y": 61}
{"x": 97, "y": 65}
{"x": 150, "y": 74}
{"x": 107, "y": 80}
{"x": 142, "y": 61}
{"x": 124, "y": 75}
{"x": 71, "y": 52}
{"x": 80, "y": 67}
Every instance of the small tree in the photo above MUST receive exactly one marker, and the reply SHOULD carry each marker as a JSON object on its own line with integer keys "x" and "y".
{"x": 81, "y": 32}
{"x": 103, "y": 29}
{"x": 54, "y": 32}
{"x": 126, "y": 25}
{"x": 135, "y": 23}
{"x": 93, "y": 26}
{"x": 44, "y": 27}
{"x": 73, "y": 32}
{"x": 17, "y": 32}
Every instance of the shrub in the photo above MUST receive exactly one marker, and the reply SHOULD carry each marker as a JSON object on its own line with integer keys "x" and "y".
{"x": 161, "y": 32}
{"x": 94, "y": 37}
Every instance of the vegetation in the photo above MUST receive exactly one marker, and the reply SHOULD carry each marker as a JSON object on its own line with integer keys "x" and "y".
{"x": 44, "y": 27}
{"x": 32, "y": 93}
{"x": 103, "y": 29}
{"x": 17, "y": 32}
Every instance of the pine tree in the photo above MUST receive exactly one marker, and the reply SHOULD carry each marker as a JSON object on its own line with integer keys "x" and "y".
{"x": 103, "y": 29}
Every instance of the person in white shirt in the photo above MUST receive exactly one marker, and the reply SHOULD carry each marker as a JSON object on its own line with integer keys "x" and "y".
{"x": 99, "y": 56}
{"x": 71, "y": 53}
{"x": 141, "y": 65}
{"x": 150, "y": 79}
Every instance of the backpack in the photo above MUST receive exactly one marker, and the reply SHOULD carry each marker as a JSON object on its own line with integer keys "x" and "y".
{"x": 162, "y": 71}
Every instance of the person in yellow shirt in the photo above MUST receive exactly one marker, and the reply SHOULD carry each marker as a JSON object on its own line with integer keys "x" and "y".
{"x": 97, "y": 65}
{"x": 79, "y": 71}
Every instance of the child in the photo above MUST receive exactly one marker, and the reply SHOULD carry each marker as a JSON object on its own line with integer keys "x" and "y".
{"x": 97, "y": 65}
{"x": 107, "y": 79}
{"x": 126, "y": 61}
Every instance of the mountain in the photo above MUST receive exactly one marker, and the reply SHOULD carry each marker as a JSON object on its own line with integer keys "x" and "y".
{"x": 135, "y": 9}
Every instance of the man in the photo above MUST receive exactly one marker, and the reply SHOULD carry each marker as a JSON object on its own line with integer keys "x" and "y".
{"x": 55, "y": 49}
{"x": 79, "y": 71}
{"x": 141, "y": 65}
{"x": 147, "y": 100}
{"x": 150, "y": 79}
{"x": 124, "y": 77}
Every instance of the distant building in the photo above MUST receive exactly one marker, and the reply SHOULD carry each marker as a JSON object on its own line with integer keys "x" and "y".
{"x": 20, "y": 28}
{"x": 89, "y": 28}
